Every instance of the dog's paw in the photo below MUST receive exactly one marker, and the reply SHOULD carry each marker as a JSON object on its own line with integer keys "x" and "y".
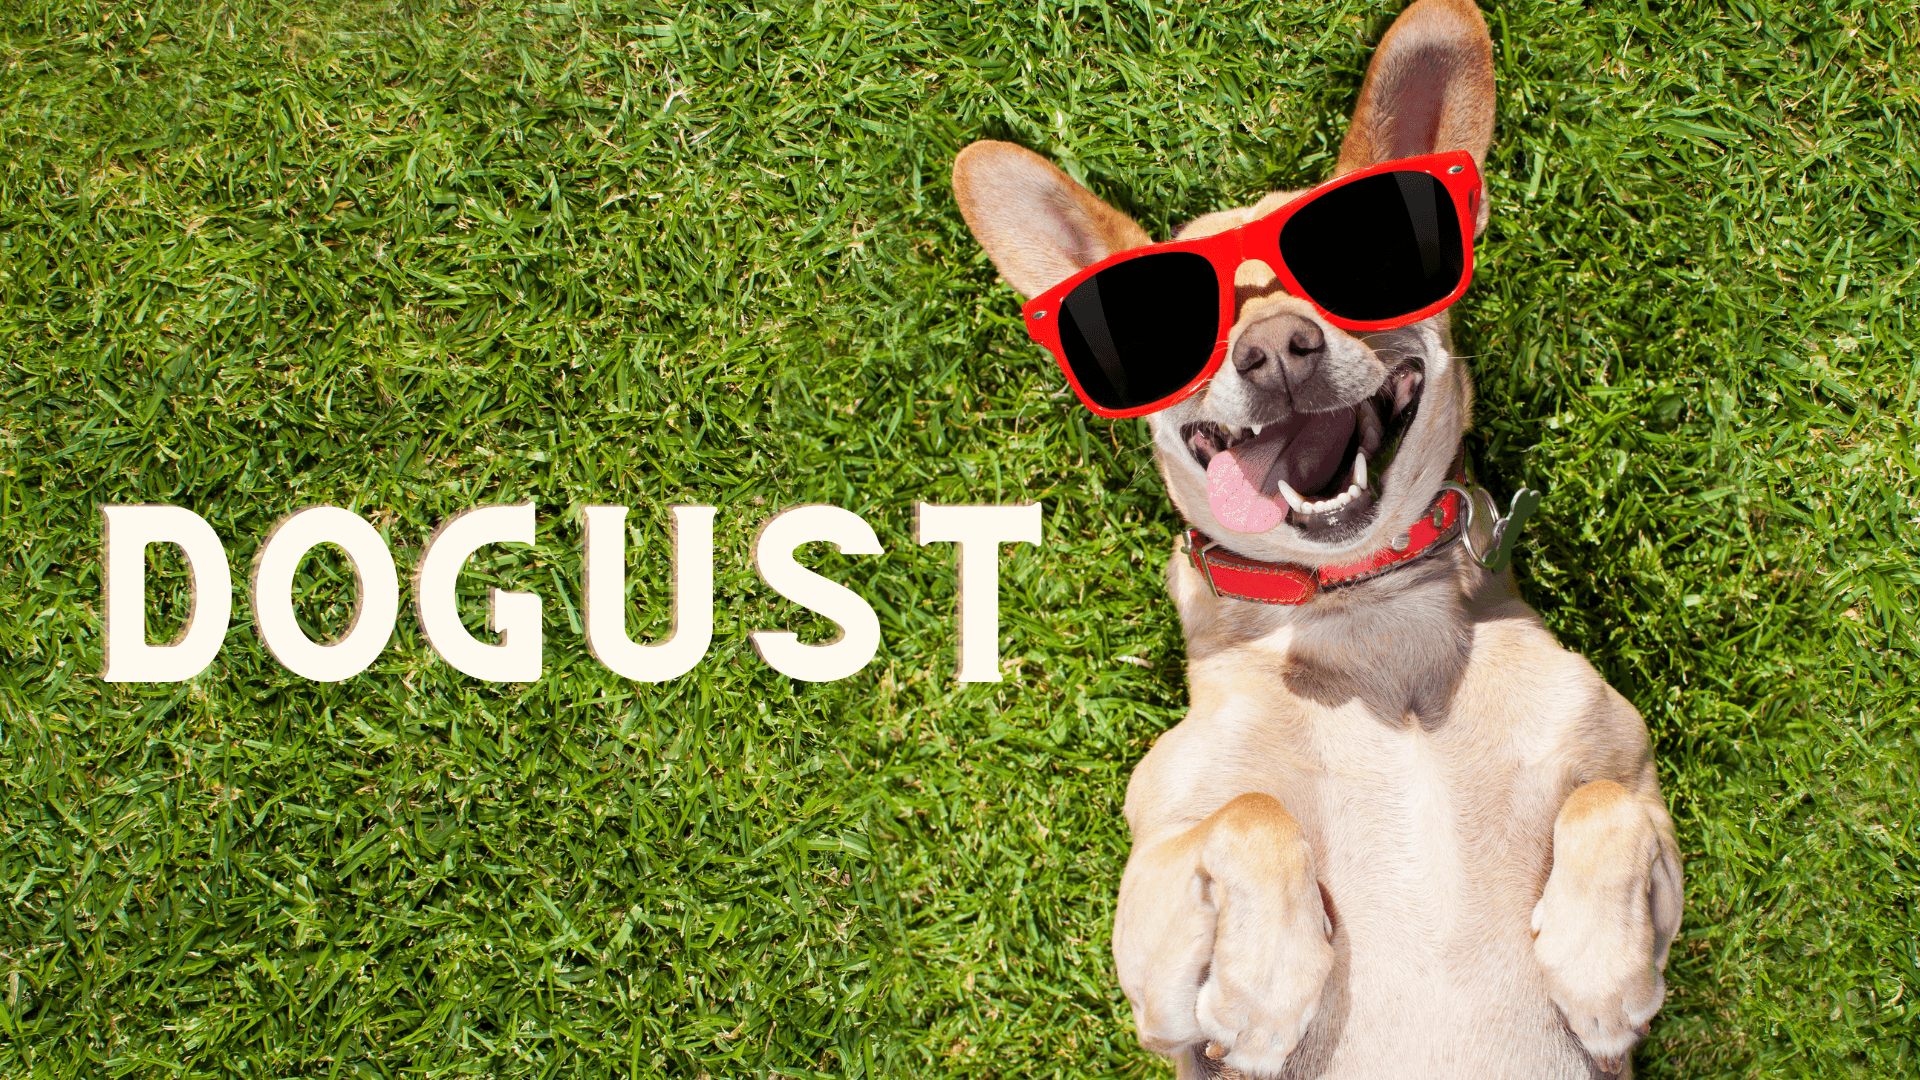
{"x": 1261, "y": 995}
{"x": 1599, "y": 975}
{"x": 1222, "y": 941}
{"x": 1602, "y": 925}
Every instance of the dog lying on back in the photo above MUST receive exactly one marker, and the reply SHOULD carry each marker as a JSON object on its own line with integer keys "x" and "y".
{"x": 1401, "y": 832}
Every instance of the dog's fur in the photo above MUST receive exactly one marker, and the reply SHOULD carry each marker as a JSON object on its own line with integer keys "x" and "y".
{"x": 1401, "y": 831}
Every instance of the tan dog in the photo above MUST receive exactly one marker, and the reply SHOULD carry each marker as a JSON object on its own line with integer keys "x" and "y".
{"x": 1401, "y": 831}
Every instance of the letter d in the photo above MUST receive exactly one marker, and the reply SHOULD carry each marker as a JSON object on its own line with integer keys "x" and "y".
{"x": 125, "y": 533}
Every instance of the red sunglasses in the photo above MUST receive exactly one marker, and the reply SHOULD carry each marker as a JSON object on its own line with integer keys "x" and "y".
{"x": 1371, "y": 250}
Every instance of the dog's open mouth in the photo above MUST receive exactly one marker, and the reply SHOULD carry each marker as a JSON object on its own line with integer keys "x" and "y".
{"x": 1319, "y": 472}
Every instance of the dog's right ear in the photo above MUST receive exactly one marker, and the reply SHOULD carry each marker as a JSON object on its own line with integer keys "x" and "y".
{"x": 1038, "y": 226}
{"x": 1428, "y": 90}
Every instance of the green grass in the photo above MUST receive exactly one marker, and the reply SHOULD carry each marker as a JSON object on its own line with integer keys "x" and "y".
{"x": 410, "y": 258}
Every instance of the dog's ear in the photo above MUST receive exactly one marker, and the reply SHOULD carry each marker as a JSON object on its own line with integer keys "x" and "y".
{"x": 1038, "y": 226}
{"x": 1428, "y": 90}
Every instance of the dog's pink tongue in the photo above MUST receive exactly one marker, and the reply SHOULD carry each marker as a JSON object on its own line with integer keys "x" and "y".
{"x": 1234, "y": 478}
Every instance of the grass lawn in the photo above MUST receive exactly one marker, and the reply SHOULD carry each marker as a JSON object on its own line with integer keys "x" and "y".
{"x": 414, "y": 257}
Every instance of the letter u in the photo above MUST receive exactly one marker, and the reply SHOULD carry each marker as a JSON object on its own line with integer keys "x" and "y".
{"x": 606, "y": 595}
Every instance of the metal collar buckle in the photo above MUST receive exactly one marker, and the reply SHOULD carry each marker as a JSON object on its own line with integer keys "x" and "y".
{"x": 1505, "y": 530}
{"x": 1206, "y": 568}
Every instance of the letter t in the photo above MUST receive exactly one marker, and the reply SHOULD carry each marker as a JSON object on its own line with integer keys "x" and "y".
{"x": 979, "y": 530}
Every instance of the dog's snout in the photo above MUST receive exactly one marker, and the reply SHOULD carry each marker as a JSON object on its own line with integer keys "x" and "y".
{"x": 1280, "y": 352}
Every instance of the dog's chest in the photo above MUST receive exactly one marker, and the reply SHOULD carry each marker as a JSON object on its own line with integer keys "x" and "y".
{"x": 1388, "y": 794}
{"x": 1431, "y": 846}
{"x": 1425, "y": 833}
{"x": 1425, "y": 777}
{"x": 1413, "y": 823}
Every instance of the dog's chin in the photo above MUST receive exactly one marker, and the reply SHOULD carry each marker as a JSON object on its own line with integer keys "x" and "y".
{"x": 1316, "y": 480}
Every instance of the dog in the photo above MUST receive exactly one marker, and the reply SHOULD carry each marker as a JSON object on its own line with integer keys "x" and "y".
{"x": 1401, "y": 831}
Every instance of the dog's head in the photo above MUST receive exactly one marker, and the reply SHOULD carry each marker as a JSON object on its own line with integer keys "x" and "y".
{"x": 1297, "y": 402}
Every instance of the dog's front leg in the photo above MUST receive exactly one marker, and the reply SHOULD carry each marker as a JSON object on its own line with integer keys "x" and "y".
{"x": 1221, "y": 938}
{"x": 1610, "y": 909}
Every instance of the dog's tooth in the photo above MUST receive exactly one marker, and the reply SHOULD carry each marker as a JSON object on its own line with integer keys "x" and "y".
{"x": 1293, "y": 497}
{"x": 1372, "y": 434}
{"x": 1360, "y": 469}
{"x": 1257, "y": 427}
{"x": 1356, "y": 491}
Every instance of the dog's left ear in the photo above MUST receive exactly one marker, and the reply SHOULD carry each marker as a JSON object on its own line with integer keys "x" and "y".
{"x": 1428, "y": 90}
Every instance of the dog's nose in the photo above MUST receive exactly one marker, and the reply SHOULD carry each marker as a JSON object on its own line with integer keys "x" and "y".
{"x": 1281, "y": 352}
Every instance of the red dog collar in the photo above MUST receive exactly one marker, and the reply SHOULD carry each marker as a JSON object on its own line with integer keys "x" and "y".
{"x": 1238, "y": 578}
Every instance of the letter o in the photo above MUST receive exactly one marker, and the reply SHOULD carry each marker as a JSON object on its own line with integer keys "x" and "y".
{"x": 376, "y": 601}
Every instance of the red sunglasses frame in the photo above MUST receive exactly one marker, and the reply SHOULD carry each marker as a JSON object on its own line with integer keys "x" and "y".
{"x": 1260, "y": 239}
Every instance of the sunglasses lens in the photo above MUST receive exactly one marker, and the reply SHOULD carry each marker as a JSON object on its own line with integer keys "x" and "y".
{"x": 1138, "y": 331}
{"x": 1377, "y": 248}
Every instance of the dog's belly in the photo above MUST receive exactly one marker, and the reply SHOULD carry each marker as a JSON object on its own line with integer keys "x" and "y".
{"x": 1432, "y": 848}
{"x": 1431, "y": 844}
